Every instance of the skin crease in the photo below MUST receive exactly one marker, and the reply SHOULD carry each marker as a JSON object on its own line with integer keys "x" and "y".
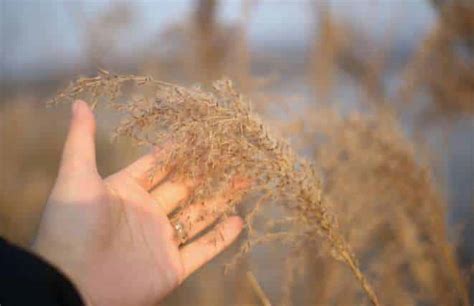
{"x": 110, "y": 236}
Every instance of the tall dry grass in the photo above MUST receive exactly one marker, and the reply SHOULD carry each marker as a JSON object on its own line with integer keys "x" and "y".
{"x": 443, "y": 65}
{"x": 389, "y": 209}
{"x": 28, "y": 158}
{"x": 389, "y": 204}
{"x": 373, "y": 176}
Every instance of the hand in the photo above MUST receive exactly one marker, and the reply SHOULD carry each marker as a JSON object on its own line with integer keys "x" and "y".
{"x": 112, "y": 236}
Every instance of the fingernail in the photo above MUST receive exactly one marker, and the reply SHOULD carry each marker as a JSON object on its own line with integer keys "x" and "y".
{"x": 77, "y": 105}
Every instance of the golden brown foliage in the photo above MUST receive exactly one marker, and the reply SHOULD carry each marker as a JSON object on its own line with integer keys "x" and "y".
{"x": 389, "y": 207}
{"x": 389, "y": 210}
{"x": 444, "y": 62}
{"x": 217, "y": 137}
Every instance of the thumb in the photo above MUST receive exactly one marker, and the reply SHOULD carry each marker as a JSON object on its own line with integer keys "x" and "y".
{"x": 79, "y": 150}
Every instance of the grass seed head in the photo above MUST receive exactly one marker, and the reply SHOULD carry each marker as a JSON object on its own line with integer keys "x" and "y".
{"x": 216, "y": 137}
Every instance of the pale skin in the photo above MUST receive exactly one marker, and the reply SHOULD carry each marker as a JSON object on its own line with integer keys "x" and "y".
{"x": 112, "y": 237}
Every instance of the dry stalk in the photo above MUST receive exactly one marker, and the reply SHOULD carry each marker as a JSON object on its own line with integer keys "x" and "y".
{"x": 258, "y": 289}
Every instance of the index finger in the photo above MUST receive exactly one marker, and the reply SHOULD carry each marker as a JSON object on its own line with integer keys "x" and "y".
{"x": 201, "y": 251}
{"x": 147, "y": 171}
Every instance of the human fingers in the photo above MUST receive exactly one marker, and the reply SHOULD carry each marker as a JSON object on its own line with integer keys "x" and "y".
{"x": 198, "y": 216}
{"x": 201, "y": 251}
{"x": 170, "y": 193}
{"x": 79, "y": 150}
{"x": 146, "y": 170}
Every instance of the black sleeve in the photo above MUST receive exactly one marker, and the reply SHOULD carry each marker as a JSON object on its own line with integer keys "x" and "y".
{"x": 26, "y": 279}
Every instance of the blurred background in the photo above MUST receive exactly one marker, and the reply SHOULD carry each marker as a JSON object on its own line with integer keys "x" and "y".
{"x": 379, "y": 93}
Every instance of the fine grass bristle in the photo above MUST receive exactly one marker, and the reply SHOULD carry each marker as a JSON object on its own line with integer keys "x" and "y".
{"x": 216, "y": 137}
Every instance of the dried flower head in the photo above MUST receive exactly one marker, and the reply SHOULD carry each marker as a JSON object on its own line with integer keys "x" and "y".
{"x": 216, "y": 137}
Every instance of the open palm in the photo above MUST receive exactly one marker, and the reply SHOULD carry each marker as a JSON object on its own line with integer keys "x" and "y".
{"x": 112, "y": 236}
